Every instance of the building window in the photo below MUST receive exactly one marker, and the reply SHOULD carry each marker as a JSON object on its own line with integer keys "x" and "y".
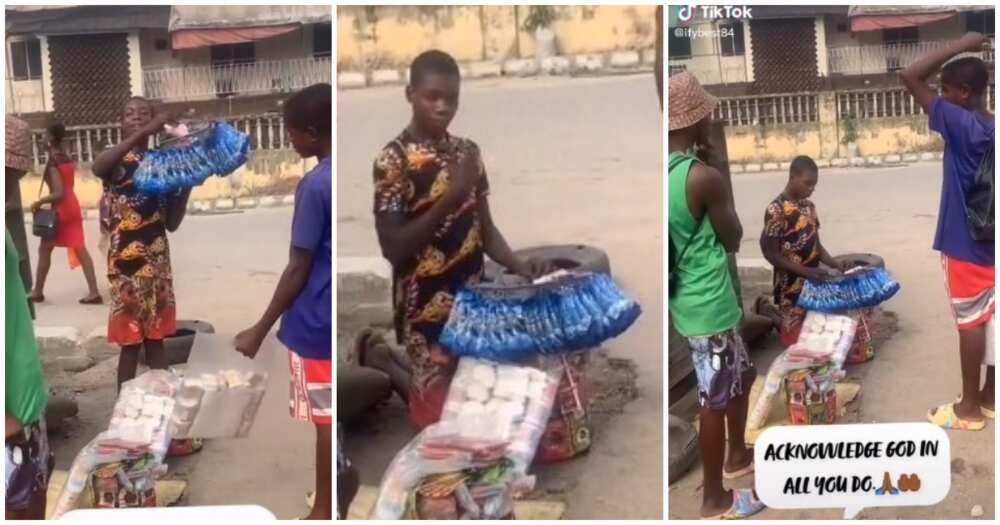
{"x": 980, "y": 22}
{"x": 26, "y": 59}
{"x": 322, "y": 40}
{"x": 228, "y": 78}
{"x": 678, "y": 46}
{"x": 731, "y": 38}
{"x": 902, "y": 35}
{"x": 894, "y": 61}
{"x": 230, "y": 54}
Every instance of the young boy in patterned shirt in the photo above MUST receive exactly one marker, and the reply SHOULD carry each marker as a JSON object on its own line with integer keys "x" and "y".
{"x": 790, "y": 242}
{"x": 434, "y": 226}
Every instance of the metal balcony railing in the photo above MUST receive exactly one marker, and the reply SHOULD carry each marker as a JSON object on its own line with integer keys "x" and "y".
{"x": 84, "y": 143}
{"x": 255, "y": 78}
{"x": 863, "y": 60}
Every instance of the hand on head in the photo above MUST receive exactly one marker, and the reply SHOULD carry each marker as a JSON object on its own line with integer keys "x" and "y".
{"x": 973, "y": 41}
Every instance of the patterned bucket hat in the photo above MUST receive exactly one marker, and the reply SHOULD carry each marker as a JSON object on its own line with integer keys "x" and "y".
{"x": 18, "y": 145}
{"x": 688, "y": 101}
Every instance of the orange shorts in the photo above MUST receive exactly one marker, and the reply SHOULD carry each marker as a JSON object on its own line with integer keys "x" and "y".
{"x": 970, "y": 289}
{"x": 310, "y": 396}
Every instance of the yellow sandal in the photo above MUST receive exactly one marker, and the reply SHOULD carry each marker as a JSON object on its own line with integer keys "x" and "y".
{"x": 944, "y": 417}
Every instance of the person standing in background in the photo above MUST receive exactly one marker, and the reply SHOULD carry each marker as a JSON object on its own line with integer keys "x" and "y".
{"x": 59, "y": 173}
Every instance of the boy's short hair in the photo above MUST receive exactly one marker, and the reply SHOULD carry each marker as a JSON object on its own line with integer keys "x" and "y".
{"x": 432, "y": 62}
{"x": 57, "y": 131}
{"x": 311, "y": 108}
{"x": 968, "y": 70}
{"x": 801, "y": 165}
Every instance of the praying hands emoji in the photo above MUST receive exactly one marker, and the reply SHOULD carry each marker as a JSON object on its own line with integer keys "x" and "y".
{"x": 887, "y": 488}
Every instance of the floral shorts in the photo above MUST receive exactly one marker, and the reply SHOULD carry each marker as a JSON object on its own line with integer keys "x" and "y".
{"x": 720, "y": 361}
{"x": 29, "y": 464}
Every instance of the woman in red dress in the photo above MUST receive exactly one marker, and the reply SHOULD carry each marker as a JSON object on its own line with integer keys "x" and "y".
{"x": 58, "y": 175}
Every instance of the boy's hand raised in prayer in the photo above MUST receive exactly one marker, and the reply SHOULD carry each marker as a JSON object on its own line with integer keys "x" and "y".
{"x": 465, "y": 175}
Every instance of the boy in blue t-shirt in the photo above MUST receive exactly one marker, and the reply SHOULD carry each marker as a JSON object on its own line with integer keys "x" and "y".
{"x": 303, "y": 297}
{"x": 967, "y": 127}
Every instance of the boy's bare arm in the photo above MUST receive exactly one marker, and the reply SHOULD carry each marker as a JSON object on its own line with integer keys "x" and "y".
{"x": 825, "y": 257}
{"x": 916, "y": 74}
{"x": 771, "y": 246}
{"x": 292, "y": 281}
{"x": 401, "y": 238}
{"x": 11, "y": 425}
{"x": 177, "y": 209}
{"x": 495, "y": 244}
{"x": 712, "y": 188}
{"x": 106, "y": 161}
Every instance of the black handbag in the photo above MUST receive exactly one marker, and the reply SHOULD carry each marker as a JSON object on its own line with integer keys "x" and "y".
{"x": 45, "y": 222}
{"x": 980, "y": 201}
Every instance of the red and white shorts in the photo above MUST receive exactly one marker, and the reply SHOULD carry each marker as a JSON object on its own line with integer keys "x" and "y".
{"x": 970, "y": 289}
{"x": 311, "y": 389}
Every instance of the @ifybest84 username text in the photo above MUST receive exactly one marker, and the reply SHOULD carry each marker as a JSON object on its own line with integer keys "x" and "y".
{"x": 697, "y": 32}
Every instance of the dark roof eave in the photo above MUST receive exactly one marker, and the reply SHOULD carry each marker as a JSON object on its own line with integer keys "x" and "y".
{"x": 87, "y": 19}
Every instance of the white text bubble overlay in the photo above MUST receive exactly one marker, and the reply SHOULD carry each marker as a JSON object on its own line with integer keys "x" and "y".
{"x": 842, "y": 466}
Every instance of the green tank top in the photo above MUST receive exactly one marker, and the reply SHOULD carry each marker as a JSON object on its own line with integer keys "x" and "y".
{"x": 704, "y": 302}
{"x": 24, "y": 383}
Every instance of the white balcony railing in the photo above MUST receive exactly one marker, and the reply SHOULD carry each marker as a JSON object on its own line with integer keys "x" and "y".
{"x": 862, "y": 60}
{"x": 84, "y": 143}
{"x": 209, "y": 81}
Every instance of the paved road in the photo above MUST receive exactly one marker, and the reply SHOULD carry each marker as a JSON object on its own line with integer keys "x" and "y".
{"x": 569, "y": 160}
{"x": 225, "y": 269}
{"x": 891, "y": 212}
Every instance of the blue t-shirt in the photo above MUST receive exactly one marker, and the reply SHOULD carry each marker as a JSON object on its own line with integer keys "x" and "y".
{"x": 966, "y": 136}
{"x": 307, "y": 327}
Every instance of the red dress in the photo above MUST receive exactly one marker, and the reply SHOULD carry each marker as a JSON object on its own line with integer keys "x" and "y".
{"x": 69, "y": 234}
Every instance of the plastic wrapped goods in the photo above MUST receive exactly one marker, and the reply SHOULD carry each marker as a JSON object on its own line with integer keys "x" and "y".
{"x": 829, "y": 334}
{"x": 564, "y": 313}
{"x": 862, "y": 288}
{"x": 216, "y": 149}
{"x": 143, "y": 411}
{"x": 441, "y": 474}
{"x": 221, "y": 391}
{"x": 502, "y": 402}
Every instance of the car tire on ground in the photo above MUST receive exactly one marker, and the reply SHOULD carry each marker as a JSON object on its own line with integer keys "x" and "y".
{"x": 862, "y": 259}
{"x": 579, "y": 257}
{"x": 683, "y": 439}
{"x": 178, "y": 346}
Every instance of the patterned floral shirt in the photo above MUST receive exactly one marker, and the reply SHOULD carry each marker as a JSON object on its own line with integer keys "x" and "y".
{"x": 137, "y": 224}
{"x": 411, "y": 175}
{"x": 796, "y": 225}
